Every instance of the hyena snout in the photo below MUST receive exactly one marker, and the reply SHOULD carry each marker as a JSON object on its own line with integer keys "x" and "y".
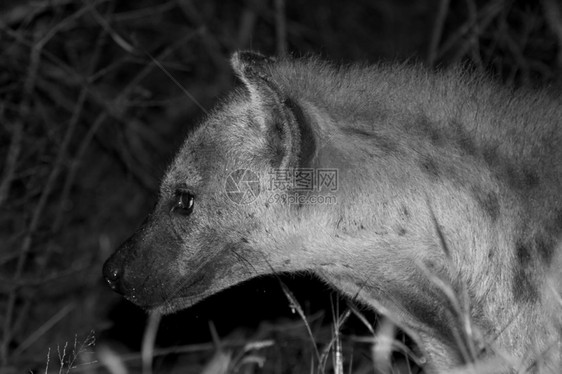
{"x": 128, "y": 272}
{"x": 141, "y": 273}
{"x": 114, "y": 271}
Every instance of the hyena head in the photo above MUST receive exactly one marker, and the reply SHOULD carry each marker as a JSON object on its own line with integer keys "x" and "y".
{"x": 214, "y": 225}
{"x": 429, "y": 203}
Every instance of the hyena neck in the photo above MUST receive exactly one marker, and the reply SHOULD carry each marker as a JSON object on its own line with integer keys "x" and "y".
{"x": 399, "y": 285}
{"x": 409, "y": 175}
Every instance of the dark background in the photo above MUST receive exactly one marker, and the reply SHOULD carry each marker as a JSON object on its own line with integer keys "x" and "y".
{"x": 90, "y": 116}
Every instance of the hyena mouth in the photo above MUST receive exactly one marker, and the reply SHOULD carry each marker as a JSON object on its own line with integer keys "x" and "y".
{"x": 158, "y": 298}
{"x": 190, "y": 292}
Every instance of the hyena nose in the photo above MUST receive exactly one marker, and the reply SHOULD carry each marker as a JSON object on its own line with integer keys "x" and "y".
{"x": 113, "y": 275}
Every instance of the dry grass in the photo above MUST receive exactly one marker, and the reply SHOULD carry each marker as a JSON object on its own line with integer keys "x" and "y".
{"x": 96, "y": 95}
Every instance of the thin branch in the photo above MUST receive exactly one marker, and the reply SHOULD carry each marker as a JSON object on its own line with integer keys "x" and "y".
{"x": 553, "y": 16}
{"x": 281, "y": 28}
{"x": 11, "y": 160}
{"x": 437, "y": 31}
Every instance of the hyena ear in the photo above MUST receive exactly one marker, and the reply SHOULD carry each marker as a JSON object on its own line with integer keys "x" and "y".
{"x": 280, "y": 118}
{"x": 251, "y": 68}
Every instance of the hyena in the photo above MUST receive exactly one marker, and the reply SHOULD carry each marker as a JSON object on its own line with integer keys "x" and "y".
{"x": 447, "y": 214}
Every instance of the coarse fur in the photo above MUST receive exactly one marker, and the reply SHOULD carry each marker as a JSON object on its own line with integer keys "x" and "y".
{"x": 446, "y": 217}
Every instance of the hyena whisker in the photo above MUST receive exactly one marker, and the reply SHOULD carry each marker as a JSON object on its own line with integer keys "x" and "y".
{"x": 243, "y": 259}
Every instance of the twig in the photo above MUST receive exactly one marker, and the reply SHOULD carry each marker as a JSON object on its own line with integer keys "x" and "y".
{"x": 117, "y": 38}
{"x": 295, "y": 306}
{"x": 28, "y": 11}
{"x": 437, "y": 31}
{"x": 246, "y": 27}
{"x": 281, "y": 28}
{"x": 485, "y": 17}
{"x": 76, "y": 115}
{"x": 11, "y": 160}
{"x": 210, "y": 42}
{"x": 475, "y": 36}
{"x": 44, "y": 328}
{"x": 553, "y": 16}
{"x": 143, "y": 12}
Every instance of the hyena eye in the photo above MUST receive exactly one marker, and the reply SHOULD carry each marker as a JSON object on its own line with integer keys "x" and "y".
{"x": 183, "y": 203}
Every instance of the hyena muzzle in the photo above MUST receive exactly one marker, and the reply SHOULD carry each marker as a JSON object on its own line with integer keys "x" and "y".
{"x": 434, "y": 198}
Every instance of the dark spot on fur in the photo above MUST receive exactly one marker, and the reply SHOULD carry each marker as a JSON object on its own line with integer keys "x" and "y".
{"x": 488, "y": 202}
{"x": 429, "y": 167}
{"x": 431, "y": 266}
{"x": 357, "y": 132}
{"x": 531, "y": 179}
{"x": 545, "y": 248}
{"x": 491, "y": 253}
{"x": 522, "y": 180}
{"x": 523, "y": 253}
{"x": 385, "y": 145}
{"x": 429, "y": 130}
{"x": 382, "y": 143}
{"x": 512, "y": 176}
{"x": 558, "y": 219}
{"x": 401, "y": 231}
{"x": 527, "y": 253}
{"x": 541, "y": 245}
{"x": 524, "y": 289}
{"x": 463, "y": 138}
{"x": 361, "y": 227}
{"x": 490, "y": 155}
{"x": 405, "y": 211}
{"x": 555, "y": 227}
